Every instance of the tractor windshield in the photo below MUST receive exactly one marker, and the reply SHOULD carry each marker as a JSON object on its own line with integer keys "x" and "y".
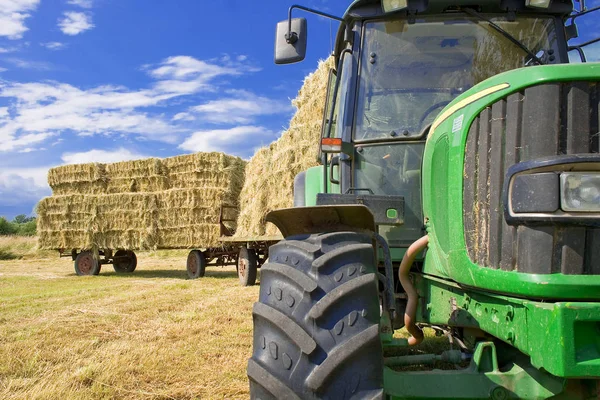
{"x": 409, "y": 72}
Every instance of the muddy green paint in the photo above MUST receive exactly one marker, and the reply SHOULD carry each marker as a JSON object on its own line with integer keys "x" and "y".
{"x": 443, "y": 195}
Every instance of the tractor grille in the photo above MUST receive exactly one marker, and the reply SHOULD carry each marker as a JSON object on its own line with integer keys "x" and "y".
{"x": 544, "y": 120}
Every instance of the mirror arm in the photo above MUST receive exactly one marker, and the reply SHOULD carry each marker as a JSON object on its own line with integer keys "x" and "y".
{"x": 292, "y": 37}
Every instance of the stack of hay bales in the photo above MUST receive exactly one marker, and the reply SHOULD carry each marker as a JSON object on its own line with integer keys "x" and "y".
{"x": 270, "y": 173}
{"x": 141, "y": 204}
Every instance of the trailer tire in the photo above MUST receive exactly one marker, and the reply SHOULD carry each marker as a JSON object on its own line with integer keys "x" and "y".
{"x": 247, "y": 264}
{"x": 316, "y": 324}
{"x": 86, "y": 264}
{"x": 196, "y": 264}
{"x": 124, "y": 261}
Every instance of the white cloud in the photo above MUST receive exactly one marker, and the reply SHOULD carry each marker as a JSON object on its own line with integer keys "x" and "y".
{"x": 225, "y": 139}
{"x": 81, "y": 3}
{"x": 10, "y": 143}
{"x": 242, "y": 107}
{"x": 38, "y": 110}
{"x": 105, "y": 156}
{"x": 183, "y": 116}
{"x": 74, "y": 23}
{"x": 54, "y": 45}
{"x": 20, "y": 186}
{"x": 28, "y": 64}
{"x": 12, "y": 17}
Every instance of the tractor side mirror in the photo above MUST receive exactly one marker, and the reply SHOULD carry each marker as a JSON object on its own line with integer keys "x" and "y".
{"x": 290, "y": 41}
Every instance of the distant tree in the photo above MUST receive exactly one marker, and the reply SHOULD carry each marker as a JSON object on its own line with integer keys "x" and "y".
{"x": 21, "y": 219}
{"x": 28, "y": 228}
{"x": 6, "y": 227}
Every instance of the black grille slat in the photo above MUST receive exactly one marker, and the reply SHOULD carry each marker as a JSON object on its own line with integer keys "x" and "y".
{"x": 512, "y": 146}
{"x": 539, "y": 115}
{"x": 572, "y": 246}
{"x": 544, "y": 120}
{"x": 470, "y": 194}
{"x": 578, "y": 118}
{"x": 498, "y": 128}
{"x": 592, "y": 255}
{"x": 481, "y": 209}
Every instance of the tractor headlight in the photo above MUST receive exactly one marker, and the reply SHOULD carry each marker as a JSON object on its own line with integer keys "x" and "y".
{"x": 580, "y": 191}
{"x": 557, "y": 190}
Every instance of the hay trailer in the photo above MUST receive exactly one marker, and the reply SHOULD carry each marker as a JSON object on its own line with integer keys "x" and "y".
{"x": 246, "y": 253}
{"x": 88, "y": 263}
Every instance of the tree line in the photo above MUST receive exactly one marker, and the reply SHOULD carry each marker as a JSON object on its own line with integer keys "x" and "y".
{"x": 21, "y": 225}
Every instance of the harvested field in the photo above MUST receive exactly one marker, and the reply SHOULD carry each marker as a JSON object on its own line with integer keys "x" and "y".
{"x": 270, "y": 173}
{"x": 150, "y": 335}
{"x": 141, "y": 204}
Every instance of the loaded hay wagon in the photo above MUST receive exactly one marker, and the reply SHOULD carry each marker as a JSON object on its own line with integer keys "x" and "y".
{"x": 211, "y": 203}
{"x": 101, "y": 214}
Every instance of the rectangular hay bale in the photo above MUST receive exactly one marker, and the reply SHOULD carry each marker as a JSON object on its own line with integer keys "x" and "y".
{"x": 143, "y": 213}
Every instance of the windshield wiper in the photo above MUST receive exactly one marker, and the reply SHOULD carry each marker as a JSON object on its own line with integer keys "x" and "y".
{"x": 507, "y": 35}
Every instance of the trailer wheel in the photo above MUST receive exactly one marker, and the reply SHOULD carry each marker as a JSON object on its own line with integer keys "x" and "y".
{"x": 316, "y": 325}
{"x": 196, "y": 264}
{"x": 247, "y": 264}
{"x": 86, "y": 264}
{"x": 124, "y": 261}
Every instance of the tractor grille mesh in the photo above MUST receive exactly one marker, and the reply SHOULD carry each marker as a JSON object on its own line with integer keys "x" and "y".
{"x": 543, "y": 120}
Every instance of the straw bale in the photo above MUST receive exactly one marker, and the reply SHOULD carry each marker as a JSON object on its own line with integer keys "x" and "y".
{"x": 154, "y": 183}
{"x": 136, "y": 169}
{"x": 78, "y": 178}
{"x": 270, "y": 173}
{"x": 143, "y": 213}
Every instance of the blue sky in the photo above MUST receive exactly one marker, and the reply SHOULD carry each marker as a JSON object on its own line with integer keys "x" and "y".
{"x": 112, "y": 80}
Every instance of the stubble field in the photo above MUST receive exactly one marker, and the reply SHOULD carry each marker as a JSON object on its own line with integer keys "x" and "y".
{"x": 152, "y": 334}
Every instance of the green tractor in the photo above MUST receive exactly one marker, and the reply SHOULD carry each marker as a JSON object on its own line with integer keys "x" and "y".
{"x": 459, "y": 191}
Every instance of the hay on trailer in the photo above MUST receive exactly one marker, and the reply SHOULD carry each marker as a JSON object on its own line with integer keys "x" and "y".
{"x": 147, "y": 175}
{"x": 78, "y": 178}
{"x": 270, "y": 173}
{"x": 155, "y": 218}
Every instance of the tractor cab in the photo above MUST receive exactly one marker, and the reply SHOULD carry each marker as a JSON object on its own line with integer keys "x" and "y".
{"x": 398, "y": 67}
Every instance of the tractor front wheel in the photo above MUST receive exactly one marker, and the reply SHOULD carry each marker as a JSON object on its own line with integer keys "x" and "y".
{"x": 124, "y": 261}
{"x": 316, "y": 325}
{"x": 86, "y": 264}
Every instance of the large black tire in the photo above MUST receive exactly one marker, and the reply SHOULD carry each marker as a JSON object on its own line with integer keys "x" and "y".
{"x": 247, "y": 264}
{"x": 86, "y": 264}
{"x": 316, "y": 325}
{"x": 196, "y": 264}
{"x": 124, "y": 261}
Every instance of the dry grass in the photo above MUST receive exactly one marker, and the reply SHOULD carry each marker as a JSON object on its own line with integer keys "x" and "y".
{"x": 149, "y": 335}
{"x": 21, "y": 247}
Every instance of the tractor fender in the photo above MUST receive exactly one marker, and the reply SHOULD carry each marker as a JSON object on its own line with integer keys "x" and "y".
{"x": 317, "y": 219}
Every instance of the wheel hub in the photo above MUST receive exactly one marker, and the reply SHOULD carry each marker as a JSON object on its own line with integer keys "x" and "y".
{"x": 85, "y": 264}
{"x": 192, "y": 265}
{"x": 242, "y": 267}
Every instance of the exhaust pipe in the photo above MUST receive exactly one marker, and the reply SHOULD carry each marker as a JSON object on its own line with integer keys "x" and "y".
{"x": 411, "y": 292}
